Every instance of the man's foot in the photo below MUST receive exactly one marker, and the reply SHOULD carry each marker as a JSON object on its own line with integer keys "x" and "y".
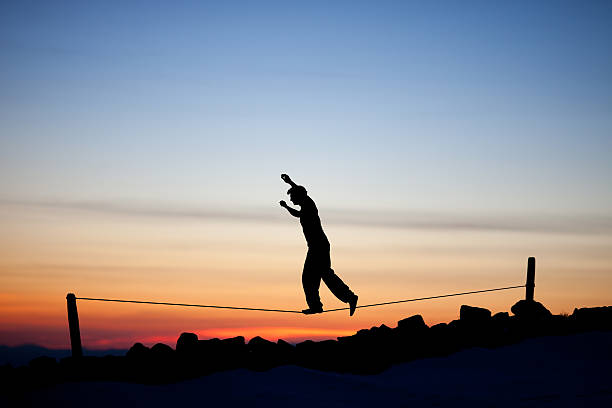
{"x": 353, "y": 304}
{"x": 312, "y": 311}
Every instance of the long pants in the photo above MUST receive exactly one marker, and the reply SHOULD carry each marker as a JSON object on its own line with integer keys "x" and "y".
{"x": 316, "y": 267}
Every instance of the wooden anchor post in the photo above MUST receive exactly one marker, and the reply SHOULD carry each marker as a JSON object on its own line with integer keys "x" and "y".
{"x": 73, "y": 325}
{"x": 530, "y": 285}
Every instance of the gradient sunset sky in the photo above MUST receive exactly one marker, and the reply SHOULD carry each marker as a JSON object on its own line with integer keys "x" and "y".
{"x": 142, "y": 142}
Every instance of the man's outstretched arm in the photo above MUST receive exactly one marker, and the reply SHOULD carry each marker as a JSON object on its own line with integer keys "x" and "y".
{"x": 292, "y": 211}
{"x": 288, "y": 180}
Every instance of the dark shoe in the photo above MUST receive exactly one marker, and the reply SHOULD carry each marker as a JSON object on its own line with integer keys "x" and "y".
{"x": 353, "y": 304}
{"x": 312, "y": 311}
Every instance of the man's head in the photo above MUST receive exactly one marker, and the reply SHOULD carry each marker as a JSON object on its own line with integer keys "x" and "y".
{"x": 297, "y": 194}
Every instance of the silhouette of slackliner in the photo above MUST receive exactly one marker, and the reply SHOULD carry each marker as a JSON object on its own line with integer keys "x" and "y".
{"x": 317, "y": 267}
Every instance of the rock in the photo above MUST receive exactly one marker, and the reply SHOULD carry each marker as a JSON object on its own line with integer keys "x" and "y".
{"x": 138, "y": 351}
{"x": 187, "y": 343}
{"x": 305, "y": 346}
{"x": 593, "y": 318}
{"x": 286, "y": 350}
{"x": 439, "y": 328}
{"x": 501, "y": 316}
{"x": 530, "y": 310}
{"x": 603, "y": 313}
{"x": 233, "y": 352}
{"x": 442, "y": 339}
{"x": 233, "y": 342}
{"x": 473, "y": 328}
{"x": 161, "y": 350}
{"x": 474, "y": 315}
{"x": 453, "y": 325}
{"x": 362, "y": 333}
{"x": 210, "y": 356}
{"x": 162, "y": 364}
{"x": 381, "y": 332}
{"x": 285, "y": 346}
{"x": 262, "y": 354}
{"x": 209, "y": 344}
{"x": 210, "y": 349}
{"x": 320, "y": 355}
{"x": 412, "y": 323}
{"x": 261, "y": 347}
{"x": 501, "y": 321}
{"x": 259, "y": 343}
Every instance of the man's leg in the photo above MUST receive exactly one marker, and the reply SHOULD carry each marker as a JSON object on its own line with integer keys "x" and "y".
{"x": 338, "y": 288}
{"x": 311, "y": 280}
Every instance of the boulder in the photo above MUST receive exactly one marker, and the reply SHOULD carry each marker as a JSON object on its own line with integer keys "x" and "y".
{"x": 593, "y": 318}
{"x": 233, "y": 352}
{"x": 305, "y": 347}
{"x": 162, "y": 364}
{"x": 413, "y": 324}
{"x": 320, "y": 355}
{"x": 285, "y": 350}
{"x": 362, "y": 333}
{"x": 258, "y": 343}
{"x": 233, "y": 342}
{"x": 138, "y": 352}
{"x": 473, "y": 328}
{"x": 439, "y": 329}
{"x": 501, "y": 317}
{"x": 453, "y": 326}
{"x": 213, "y": 356}
{"x": 471, "y": 315}
{"x": 187, "y": 343}
{"x": 209, "y": 347}
{"x": 285, "y": 346}
{"x": 161, "y": 350}
{"x": 501, "y": 321}
{"x": 381, "y": 333}
{"x": 262, "y": 354}
{"x": 530, "y": 310}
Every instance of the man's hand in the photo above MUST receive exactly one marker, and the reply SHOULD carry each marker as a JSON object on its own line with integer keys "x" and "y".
{"x": 292, "y": 211}
{"x": 288, "y": 180}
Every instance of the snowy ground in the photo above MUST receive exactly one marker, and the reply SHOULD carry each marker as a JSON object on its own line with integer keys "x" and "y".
{"x": 571, "y": 371}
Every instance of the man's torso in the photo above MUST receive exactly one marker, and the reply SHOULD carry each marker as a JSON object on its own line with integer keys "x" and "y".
{"x": 311, "y": 225}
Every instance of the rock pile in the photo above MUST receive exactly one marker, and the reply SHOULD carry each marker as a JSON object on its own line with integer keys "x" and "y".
{"x": 368, "y": 351}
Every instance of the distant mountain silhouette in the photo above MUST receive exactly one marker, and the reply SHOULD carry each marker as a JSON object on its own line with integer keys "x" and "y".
{"x": 21, "y": 355}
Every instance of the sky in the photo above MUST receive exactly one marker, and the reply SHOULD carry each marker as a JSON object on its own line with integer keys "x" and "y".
{"x": 141, "y": 147}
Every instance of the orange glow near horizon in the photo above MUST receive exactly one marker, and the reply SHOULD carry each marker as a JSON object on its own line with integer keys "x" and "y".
{"x": 228, "y": 263}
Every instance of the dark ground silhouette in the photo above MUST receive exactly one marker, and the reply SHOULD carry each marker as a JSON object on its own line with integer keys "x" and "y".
{"x": 318, "y": 261}
{"x": 369, "y": 351}
{"x": 552, "y": 371}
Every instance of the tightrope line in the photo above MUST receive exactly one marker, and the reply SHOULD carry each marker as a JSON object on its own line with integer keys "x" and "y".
{"x": 190, "y": 305}
{"x": 295, "y": 311}
{"x": 427, "y": 298}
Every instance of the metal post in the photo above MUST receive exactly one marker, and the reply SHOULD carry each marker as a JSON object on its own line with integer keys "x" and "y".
{"x": 73, "y": 325}
{"x": 530, "y": 285}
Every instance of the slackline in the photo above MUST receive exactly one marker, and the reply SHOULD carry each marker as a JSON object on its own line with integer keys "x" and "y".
{"x": 148, "y": 302}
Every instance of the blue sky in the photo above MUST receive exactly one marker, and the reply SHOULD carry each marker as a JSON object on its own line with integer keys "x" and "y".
{"x": 388, "y": 105}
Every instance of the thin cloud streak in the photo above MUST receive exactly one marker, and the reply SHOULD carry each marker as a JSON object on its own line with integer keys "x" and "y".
{"x": 561, "y": 224}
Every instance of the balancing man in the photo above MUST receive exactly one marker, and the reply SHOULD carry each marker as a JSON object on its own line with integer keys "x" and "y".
{"x": 318, "y": 262}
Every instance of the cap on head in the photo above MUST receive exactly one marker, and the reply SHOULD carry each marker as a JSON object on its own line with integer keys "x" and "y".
{"x": 297, "y": 191}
